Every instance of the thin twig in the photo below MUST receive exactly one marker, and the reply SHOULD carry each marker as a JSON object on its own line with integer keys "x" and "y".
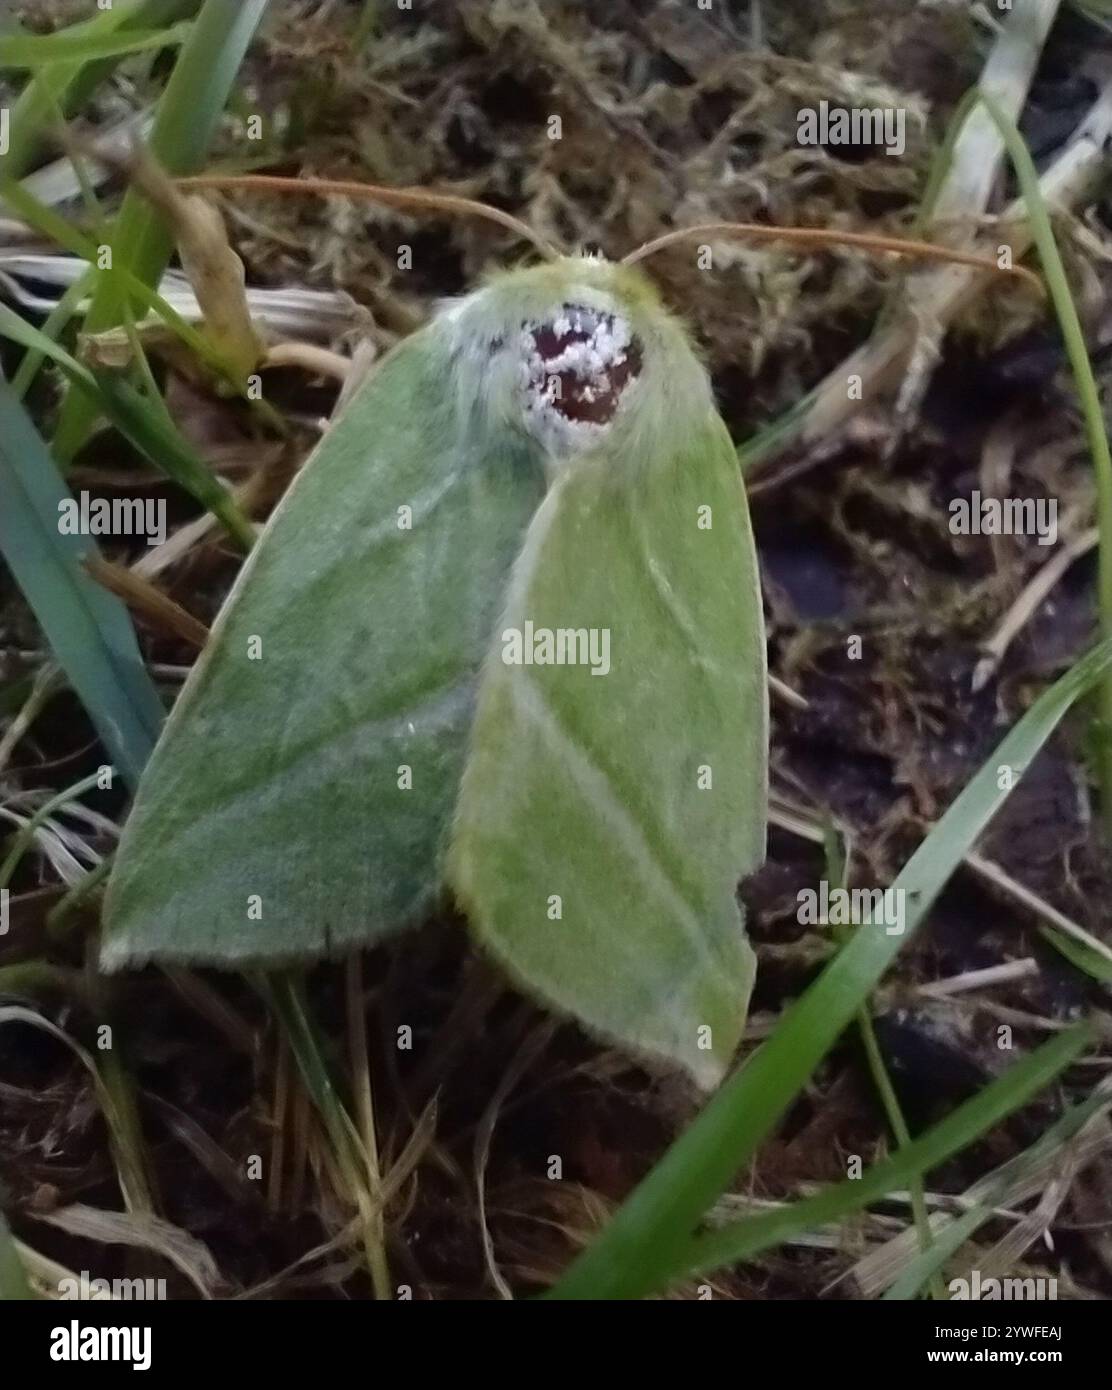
{"x": 1026, "y": 604}
{"x": 982, "y": 979}
{"x": 365, "y": 1116}
{"x": 140, "y": 594}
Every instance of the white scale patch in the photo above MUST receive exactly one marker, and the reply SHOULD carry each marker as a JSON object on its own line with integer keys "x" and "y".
{"x": 574, "y": 372}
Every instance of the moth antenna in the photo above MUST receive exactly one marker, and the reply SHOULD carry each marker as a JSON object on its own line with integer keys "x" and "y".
{"x": 417, "y": 199}
{"x": 824, "y": 236}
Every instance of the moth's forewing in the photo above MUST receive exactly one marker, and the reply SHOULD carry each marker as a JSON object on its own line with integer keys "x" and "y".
{"x": 609, "y": 807}
{"x": 298, "y": 799}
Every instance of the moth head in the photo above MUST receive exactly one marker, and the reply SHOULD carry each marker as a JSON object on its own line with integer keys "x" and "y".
{"x": 575, "y": 354}
{"x": 576, "y": 368}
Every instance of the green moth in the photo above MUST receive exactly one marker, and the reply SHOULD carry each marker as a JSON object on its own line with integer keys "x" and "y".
{"x": 502, "y": 635}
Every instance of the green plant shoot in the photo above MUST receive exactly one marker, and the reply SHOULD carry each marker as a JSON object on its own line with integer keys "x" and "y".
{"x": 502, "y": 636}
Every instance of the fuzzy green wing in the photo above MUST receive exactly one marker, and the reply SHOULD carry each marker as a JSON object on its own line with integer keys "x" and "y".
{"x": 298, "y": 799}
{"x": 605, "y": 819}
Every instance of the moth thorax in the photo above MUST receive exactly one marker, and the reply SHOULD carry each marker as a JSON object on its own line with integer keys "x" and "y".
{"x": 576, "y": 368}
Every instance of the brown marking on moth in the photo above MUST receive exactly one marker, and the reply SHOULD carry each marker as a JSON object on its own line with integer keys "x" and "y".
{"x": 581, "y": 362}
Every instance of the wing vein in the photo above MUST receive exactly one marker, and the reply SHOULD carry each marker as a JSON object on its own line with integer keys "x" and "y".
{"x": 594, "y": 783}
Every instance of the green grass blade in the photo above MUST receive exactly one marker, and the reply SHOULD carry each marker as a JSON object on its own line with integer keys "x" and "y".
{"x": 186, "y": 121}
{"x": 285, "y": 994}
{"x": 53, "y": 328}
{"x": 942, "y": 162}
{"x": 115, "y": 1095}
{"x": 1073, "y": 336}
{"x": 837, "y": 873}
{"x": 158, "y": 440}
{"x": 39, "y": 50}
{"x": 645, "y": 1238}
{"x": 928, "y": 1263}
{"x": 18, "y": 330}
{"x": 89, "y": 629}
{"x": 767, "y": 440}
{"x": 994, "y": 1190}
{"x": 144, "y": 424}
{"x": 743, "y": 1239}
{"x": 25, "y": 835}
{"x": 50, "y": 224}
{"x": 70, "y": 85}
{"x": 1095, "y": 965}
{"x": 188, "y": 114}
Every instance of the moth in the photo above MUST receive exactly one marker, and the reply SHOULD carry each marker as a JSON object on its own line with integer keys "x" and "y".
{"x": 501, "y": 639}
{"x": 365, "y": 726}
